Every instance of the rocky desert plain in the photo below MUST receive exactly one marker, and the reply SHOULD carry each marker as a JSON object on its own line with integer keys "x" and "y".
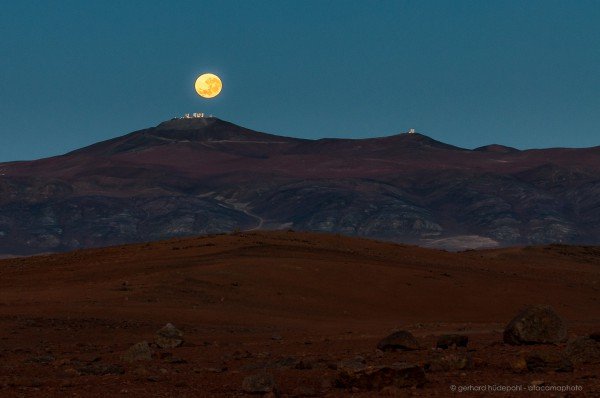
{"x": 294, "y": 314}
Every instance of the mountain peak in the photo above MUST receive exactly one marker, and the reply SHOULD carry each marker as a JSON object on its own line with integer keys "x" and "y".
{"x": 413, "y": 139}
{"x": 192, "y": 123}
{"x": 209, "y": 129}
{"x": 184, "y": 131}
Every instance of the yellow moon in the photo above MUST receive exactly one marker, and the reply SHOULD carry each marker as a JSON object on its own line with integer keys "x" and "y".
{"x": 208, "y": 85}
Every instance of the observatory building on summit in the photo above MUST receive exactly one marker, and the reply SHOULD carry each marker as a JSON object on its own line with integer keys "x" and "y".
{"x": 195, "y": 115}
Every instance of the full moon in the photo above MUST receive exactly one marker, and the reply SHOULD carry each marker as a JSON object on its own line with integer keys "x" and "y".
{"x": 208, "y": 85}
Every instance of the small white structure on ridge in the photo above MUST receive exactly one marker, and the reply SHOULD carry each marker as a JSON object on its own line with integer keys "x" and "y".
{"x": 195, "y": 115}
{"x": 411, "y": 131}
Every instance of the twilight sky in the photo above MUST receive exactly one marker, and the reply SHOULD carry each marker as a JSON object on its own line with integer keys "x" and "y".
{"x": 469, "y": 73}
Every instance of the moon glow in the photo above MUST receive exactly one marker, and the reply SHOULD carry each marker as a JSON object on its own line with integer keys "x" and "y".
{"x": 208, "y": 85}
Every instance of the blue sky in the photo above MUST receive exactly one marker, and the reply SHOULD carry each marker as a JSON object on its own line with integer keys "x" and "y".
{"x": 470, "y": 73}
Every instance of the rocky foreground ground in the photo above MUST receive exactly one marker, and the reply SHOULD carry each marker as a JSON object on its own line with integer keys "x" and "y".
{"x": 294, "y": 314}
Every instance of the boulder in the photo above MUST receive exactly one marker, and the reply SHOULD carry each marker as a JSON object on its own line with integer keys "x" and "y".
{"x": 536, "y": 324}
{"x": 138, "y": 352}
{"x": 402, "y": 341}
{"x": 450, "y": 361}
{"x": 583, "y": 350}
{"x": 449, "y": 340}
{"x": 261, "y": 383}
{"x": 375, "y": 378}
{"x": 169, "y": 337}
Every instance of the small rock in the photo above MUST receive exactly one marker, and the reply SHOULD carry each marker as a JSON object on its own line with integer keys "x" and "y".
{"x": 175, "y": 360}
{"x": 180, "y": 384}
{"x": 583, "y": 350}
{"x": 237, "y": 355}
{"x": 351, "y": 365}
{"x": 70, "y": 372}
{"x": 153, "y": 379}
{"x": 304, "y": 391}
{"x": 303, "y": 365}
{"x": 401, "y": 340}
{"x": 88, "y": 358}
{"x": 452, "y": 340}
{"x": 34, "y": 382}
{"x": 264, "y": 354}
{"x": 219, "y": 369}
{"x": 284, "y": 362}
{"x": 377, "y": 377}
{"x": 67, "y": 384}
{"x": 595, "y": 336}
{"x": 519, "y": 365}
{"x": 545, "y": 360}
{"x": 259, "y": 384}
{"x": 169, "y": 337}
{"x": 43, "y": 359}
{"x": 276, "y": 337}
{"x": 138, "y": 352}
{"x": 393, "y": 391}
{"x": 101, "y": 369}
{"x": 450, "y": 361}
{"x": 536, "y": 324}
{"x": 141, "y": 372}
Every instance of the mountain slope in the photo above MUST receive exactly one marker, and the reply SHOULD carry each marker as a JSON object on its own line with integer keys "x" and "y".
{"x": 205, "y": 175}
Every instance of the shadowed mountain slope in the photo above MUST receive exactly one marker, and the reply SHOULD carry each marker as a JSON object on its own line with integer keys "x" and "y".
{"x": 205, "y": 175}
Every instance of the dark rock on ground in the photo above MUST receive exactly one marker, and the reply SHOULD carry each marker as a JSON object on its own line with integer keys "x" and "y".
{"x": 448, "y": 340}
{"x": 349, "y": 365}
{"x": 304, "y": 391}
{"x": 101, "y": 369}
{"x": 138, "y": 352}
{"x": 169, "y": 337}
{"x": 377, "y": 377}
{"x": 174, "y": 360}
{"x": 303, "y": 364}
{"x": 450, "y": 361}
{"x": 43, "y": 359}
{"x": 141, "y": 373}
{"x": 401, "y": 340}
{"x": 259, "y": 384}
{"x": 583, "y": 350}
{"x": 546, "y": 360}
{"x": 595, "y": 336}
{"x": 536, "y": 324}
{"x": 518, "y": 365}
{"x": 284, "y": 362}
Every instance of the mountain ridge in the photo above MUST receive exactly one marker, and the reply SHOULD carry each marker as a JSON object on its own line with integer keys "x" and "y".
{"x": 206, "y": 175}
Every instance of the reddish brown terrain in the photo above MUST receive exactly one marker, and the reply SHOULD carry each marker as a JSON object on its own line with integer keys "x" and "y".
{"x": 301, "y": 307}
